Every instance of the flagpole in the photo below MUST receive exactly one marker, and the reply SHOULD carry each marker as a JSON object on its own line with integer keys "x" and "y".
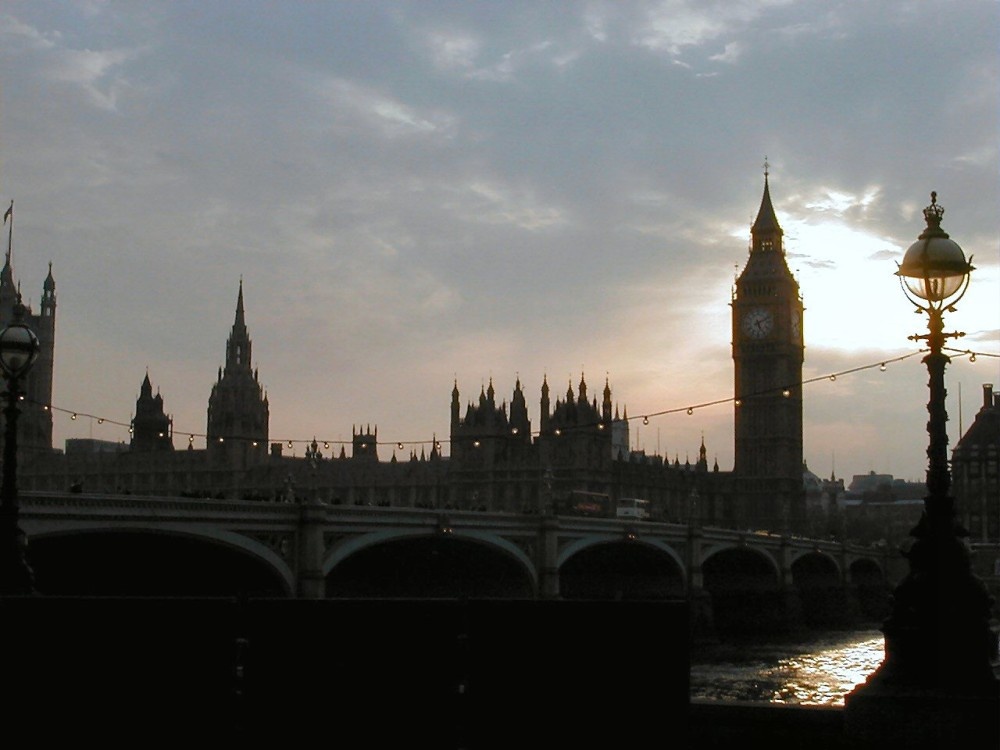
{"x": 10, "y": 231}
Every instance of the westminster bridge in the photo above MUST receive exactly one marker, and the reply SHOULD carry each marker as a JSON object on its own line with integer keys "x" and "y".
{"x": 104, "y": 544}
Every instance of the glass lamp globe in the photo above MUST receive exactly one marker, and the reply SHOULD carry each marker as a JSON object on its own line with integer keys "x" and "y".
{"x": 934, "y": 268}
{"x": 18, "y": 349}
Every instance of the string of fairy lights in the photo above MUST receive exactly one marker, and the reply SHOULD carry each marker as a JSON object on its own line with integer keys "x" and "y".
{"x": 787, "y": 390}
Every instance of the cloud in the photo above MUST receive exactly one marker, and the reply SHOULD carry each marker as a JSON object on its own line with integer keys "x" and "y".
{"x": 13, "y": 30}
{"x": 361, "y": 108}
{"x": 732, "y": 53}
{"x": 839, "y": 203}
{"x": 465, "y": 54}
{"x": 672, "y": 26}
{"x": 452, "y": 51}
{"x": 485, "y": 201}
{"x": 96, "y": 72}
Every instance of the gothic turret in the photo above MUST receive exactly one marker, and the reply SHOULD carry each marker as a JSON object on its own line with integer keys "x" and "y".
{"x": 152, "y": 430}
{"x": 520, "y": 425}
{"x": 543, "y": 421}
{"x": 35, "y": 423}
{"x": 238, "y": 411}
{"x": 364, "y": 443}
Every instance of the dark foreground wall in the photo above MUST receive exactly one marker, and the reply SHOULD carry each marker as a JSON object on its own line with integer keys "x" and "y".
{"x": 372, "y": 673}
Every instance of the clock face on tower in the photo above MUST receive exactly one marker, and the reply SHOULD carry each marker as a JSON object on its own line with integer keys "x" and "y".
{"x": 757, "y": 322}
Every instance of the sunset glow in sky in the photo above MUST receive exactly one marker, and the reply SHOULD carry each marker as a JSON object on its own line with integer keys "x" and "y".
{"x": 419, "y": 193}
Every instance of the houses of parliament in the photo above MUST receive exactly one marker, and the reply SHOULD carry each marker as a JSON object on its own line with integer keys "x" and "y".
{"x": 575, "y": 459}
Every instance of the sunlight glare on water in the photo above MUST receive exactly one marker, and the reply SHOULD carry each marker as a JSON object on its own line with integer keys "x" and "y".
{"x": 816, "y": 673}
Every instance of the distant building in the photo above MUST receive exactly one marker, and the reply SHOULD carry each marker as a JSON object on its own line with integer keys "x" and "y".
{"x": 975, "y": 468}
{"x": 89, "y": 446}
{"x": 822, "y": 495}
{"x": 878, "y": 507}
{"x": 496, "y": 460}
{"x": 152, "y": 430}
{"x": 34, "y": 425}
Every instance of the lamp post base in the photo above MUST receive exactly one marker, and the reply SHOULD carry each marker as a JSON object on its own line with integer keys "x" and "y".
{"x": 937, "y": 686}
{"x": 880, "y": 715}
{"x": 16, "y": 576}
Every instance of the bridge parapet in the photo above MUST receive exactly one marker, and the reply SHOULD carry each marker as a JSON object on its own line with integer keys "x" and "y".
{"x": 541, "y": 544}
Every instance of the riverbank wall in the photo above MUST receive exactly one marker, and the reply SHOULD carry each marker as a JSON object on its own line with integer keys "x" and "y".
{"x": 381, "y": 673}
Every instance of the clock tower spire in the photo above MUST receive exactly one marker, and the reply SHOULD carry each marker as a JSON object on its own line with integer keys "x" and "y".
{"x": 768, "y": 353}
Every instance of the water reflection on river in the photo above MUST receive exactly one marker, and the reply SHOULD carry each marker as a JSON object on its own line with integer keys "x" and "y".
{"x": 814, "y": 672}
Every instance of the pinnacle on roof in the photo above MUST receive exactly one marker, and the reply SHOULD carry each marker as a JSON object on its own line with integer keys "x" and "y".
{"x": 766, "y": 222}
{"x": 240, "y": 317}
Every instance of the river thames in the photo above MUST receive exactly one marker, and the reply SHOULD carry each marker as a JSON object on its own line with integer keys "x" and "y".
{"x": 816, "y": 671}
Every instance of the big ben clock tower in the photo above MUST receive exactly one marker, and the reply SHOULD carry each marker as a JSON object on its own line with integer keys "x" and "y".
{"x": 768, "y": 355}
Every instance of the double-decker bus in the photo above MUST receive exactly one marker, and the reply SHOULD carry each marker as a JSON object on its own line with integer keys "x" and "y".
{"x": 582, "y": 503}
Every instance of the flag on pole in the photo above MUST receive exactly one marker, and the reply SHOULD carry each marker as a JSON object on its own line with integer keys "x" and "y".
{"x": 10, "y": 212}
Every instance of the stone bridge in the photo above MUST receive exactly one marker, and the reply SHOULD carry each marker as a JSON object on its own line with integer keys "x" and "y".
{"x": 96, "y": 544}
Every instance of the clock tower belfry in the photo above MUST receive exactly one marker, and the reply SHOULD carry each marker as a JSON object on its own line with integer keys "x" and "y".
{"x": 767, "y": 357}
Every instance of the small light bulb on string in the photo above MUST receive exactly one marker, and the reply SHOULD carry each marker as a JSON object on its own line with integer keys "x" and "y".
{"x": 399, "y": 445}
{"x": 972, "y": 357}
{"x": 100, "y": 421}
{"x": 645, "y": 420}
{"x": 833, "y": 377}
{"x": 190, "y": 438}
{"x": 289, "y": 443}
{"x": 326, "y": 445}
{"x": 73, "y": 416}
{"x": 690, "y": 411}
{"x": 222, "y": 439}
{"x": 881, "y": 367}
{"x": 738, "y": 402}
{"x": 437, "y": 444}
{"x": 786, "y": 393}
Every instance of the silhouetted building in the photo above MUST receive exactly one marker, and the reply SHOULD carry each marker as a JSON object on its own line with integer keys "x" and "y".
{"x": 578, "y": 456}
{"x": 880, "y": 507}
{"x": 152, "y": 430}
{"x": 975, "y": 469}
{"x": 237, "y": 408}
{"x": 768, "y": 353}
{"x": 35, "y": 422}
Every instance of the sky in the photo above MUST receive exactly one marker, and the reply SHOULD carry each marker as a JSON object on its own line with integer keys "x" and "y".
{"x": 419, "y": 194}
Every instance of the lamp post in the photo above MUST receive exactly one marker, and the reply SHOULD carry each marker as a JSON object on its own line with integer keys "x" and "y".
{"x": 937, "y": 676}
{"x": 18, "y": 352}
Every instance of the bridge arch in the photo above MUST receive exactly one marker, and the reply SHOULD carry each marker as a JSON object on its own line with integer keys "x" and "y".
{"x": 871, "y": 588}
{"x": 744, "y": 583}
{"x": 160, "y": 560}
{"x": 819, "y": 584}
{"x": 418, "y": 564}
{"x": 609, "y": 567}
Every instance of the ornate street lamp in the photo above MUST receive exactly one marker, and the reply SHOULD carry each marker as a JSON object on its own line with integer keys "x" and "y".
{"x": 18, "y": 352}
{"x": 937, "y": 675}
